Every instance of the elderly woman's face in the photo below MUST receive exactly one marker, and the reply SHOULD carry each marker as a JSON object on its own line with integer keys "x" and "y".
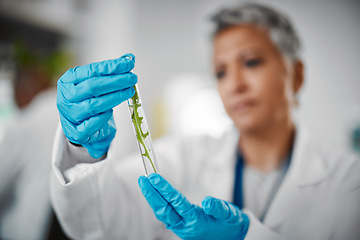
{"x": 256, "y": 84}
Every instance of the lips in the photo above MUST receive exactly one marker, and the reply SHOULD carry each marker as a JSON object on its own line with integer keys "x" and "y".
{"x": 243, "y": 106}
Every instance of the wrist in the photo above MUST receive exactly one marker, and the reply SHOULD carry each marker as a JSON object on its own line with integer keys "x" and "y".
{"x": 244, "y": 226}
{"x": 96, "y": 152}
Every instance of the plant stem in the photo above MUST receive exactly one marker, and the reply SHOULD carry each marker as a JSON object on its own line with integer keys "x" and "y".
{"x": 137, "y": 121}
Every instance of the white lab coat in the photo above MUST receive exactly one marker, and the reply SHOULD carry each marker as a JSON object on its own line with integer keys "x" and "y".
{"x": 25, "y": 167}
{"x": 318, "y": 199}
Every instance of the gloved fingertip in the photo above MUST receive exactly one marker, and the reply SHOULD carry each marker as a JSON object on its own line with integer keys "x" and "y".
{"x": 143, "y": 184}
{"x": 129, "y": 56}
{"x": 132, "y": 92}
{"x": 216, "y": 207}
{"x": 134, "y": 78}
{"x": 141, "y": 180}
{"x": 153, "y": 175}
{"x": 206, "y": 204}
{"x": 154, "y": 178}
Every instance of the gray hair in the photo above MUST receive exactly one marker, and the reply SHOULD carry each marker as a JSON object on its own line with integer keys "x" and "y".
{"x": 281, "y": 31}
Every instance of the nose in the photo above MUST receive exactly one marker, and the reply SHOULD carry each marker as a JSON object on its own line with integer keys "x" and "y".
{"x": 237, "y": 81}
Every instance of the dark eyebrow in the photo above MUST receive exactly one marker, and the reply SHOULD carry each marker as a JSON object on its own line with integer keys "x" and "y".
{"x": 252, "y": 51}
{"x": 241, "y": 55}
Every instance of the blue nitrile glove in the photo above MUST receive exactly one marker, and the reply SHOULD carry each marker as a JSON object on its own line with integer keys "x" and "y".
{"x": 217, "y": 219}
{"x": 86, "y": 96}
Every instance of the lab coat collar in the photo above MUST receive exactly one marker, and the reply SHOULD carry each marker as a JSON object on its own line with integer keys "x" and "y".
{"x": 308, "y": 165}
{"x": 307, "y": 168}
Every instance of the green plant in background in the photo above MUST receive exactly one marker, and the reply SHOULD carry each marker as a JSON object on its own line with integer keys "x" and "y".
{"x": 137, "y": 121}
{"x": 53, "y": 63}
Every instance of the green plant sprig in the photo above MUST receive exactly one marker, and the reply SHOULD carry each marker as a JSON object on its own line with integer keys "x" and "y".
{"x": 137, "y": 121}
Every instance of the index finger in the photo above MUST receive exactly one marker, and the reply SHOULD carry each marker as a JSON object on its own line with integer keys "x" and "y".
{"x": 120, "y": 65}
{"x": 162, "y": 209}
{"x": 177, "y": 200}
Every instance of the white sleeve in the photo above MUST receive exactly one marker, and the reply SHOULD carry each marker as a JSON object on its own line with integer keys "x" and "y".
{"x": 102, "y": 200}
{"x": 258, "y": 231}
{"x": 71, "y": 156}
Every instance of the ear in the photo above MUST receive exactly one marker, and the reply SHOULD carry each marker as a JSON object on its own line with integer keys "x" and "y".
{"x": 298, "y": 76}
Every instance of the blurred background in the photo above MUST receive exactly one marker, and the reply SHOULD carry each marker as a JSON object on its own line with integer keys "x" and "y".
{"x": 40, "y": 39}
{"x": 172, "y": 44}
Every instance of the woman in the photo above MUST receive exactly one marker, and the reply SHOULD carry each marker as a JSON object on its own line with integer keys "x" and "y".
{"x": 269, "y": 182}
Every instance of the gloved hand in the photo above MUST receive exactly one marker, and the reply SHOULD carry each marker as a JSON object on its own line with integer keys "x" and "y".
{"x": 86, "y": 96}
{"x": 217, "y": 219}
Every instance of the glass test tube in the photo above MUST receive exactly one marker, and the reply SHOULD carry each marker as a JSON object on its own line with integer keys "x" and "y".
{"x": 142, "y": 133}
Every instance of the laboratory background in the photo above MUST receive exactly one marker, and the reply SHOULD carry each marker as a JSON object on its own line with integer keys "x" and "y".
{"x": 41, "y": 39}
